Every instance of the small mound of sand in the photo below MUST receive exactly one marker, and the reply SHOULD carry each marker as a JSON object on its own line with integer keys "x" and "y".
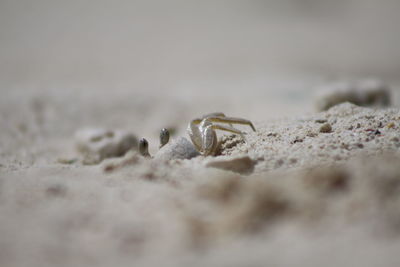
{"x": 298, "y": 142}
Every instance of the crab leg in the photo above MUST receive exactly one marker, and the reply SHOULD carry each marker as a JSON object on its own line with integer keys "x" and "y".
{"x": 209, "y": 137}
{"x": 210, "y": 115}
{"x": 231, "y": 120}
{"x": 227, "y": 129}
{"x": 195, "y": 134}
{"x": 214, "y": 114}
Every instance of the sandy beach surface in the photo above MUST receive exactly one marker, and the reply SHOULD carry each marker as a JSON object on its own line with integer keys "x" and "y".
{"x": 308, "y": 197}
{"x": 307, "y": 188}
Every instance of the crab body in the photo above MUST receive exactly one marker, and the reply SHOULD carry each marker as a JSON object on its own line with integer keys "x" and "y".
{"x": 180, "y": 148}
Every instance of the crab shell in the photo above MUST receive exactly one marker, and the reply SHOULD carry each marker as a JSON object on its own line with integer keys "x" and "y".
{"x": 180, "y": 148}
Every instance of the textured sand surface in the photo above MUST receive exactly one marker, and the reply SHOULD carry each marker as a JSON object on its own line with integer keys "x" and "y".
{"x": 313, "y": 197}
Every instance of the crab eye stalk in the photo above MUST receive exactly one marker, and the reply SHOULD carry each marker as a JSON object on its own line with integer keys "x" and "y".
{"x": 144, "y": 147}
{"x": 164, "y": 137}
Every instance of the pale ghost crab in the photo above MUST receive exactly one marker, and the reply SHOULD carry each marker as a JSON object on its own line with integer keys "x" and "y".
{"x": 202, "y": 132}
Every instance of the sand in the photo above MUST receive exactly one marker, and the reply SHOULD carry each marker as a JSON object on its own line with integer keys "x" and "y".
{"x": 320, "y": 189}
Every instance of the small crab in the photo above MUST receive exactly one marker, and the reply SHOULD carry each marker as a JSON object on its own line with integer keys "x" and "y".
{"x": 202, "y": 133}
{"x": 202, "y": 130}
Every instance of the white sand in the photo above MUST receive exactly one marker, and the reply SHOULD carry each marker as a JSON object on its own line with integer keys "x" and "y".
{"x": 183, "y": 213}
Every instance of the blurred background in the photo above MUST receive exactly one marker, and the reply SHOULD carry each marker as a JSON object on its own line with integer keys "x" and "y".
{"x": 163, "y": 43}
{"x": 158, "y": 63}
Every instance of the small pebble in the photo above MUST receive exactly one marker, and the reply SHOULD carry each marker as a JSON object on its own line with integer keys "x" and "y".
{"x": 390, "y": 125}
{"x": 297, "y": 140}
{"x": 326, "y": 128}
{"x": 311, "y": 134}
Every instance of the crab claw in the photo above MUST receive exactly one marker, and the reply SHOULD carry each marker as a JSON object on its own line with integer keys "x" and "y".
{"x": 209, "y": 142}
